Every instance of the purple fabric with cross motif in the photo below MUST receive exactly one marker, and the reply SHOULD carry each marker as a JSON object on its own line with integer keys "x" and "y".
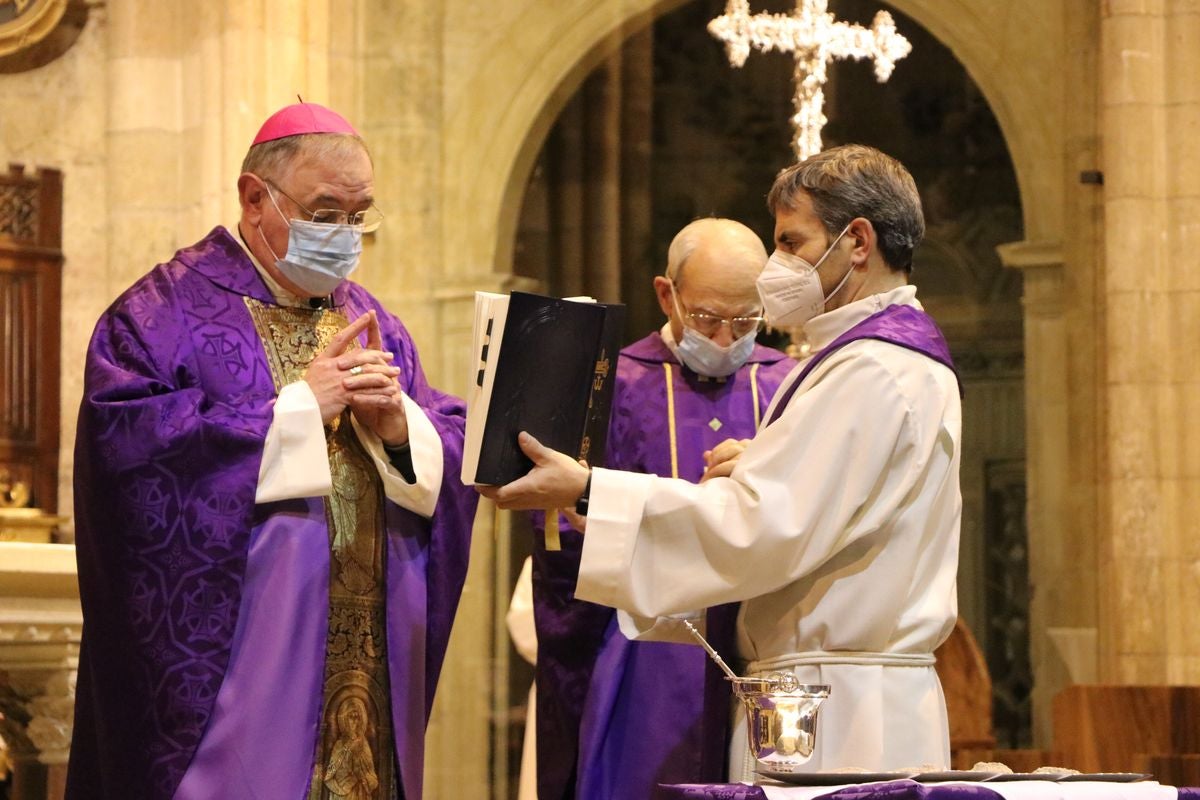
{"x": 905, "y": 326}
{"x": 594, "y": 737}
{"x": 177, "y": 401}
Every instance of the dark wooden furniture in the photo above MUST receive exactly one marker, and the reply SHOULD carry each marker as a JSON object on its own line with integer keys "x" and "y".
{"x": 963, "y": 672}
{"x": 30, "y": 312}
{"x": 1101, "y": 728}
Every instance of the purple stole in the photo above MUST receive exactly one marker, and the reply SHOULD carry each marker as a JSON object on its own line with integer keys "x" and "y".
{"x": 178, "y": 397}
{"x": 905, "y": 326}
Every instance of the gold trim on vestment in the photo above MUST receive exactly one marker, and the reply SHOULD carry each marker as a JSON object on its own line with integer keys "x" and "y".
{"x": 671, "y": 410}
{"x": 754, "y": 394}
{"x": 671, "y": 421}
{"x": 355, "y": 749}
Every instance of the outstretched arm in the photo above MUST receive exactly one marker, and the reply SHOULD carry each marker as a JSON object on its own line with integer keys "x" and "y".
{"x": 556, "y": 480}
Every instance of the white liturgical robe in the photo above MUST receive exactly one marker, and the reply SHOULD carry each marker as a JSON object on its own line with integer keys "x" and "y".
{"x": 838, "y": 530}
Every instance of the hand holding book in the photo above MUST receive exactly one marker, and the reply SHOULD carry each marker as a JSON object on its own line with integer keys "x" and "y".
{"x": 545, "y": 366}
{"x": 556, "y": 480}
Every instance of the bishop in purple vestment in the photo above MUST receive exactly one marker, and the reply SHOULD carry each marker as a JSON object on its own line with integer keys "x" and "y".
{"x": 617, "y": 717}
{"x": 271, "y": 535}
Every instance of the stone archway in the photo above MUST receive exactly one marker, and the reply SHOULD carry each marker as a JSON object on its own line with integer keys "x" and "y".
{"x": 1010, "y": 50}
{"x": 495, "y": 120}
{"x": 518, "y": 114}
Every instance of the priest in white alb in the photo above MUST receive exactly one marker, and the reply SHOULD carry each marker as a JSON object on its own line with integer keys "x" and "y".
{"x": 837, "y": 525}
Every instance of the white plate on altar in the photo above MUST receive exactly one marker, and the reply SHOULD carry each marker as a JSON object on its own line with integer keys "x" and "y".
{"x": 1110, "y": 777}
{"x": 946, "y": 775}
{"x": 831, "y": 778}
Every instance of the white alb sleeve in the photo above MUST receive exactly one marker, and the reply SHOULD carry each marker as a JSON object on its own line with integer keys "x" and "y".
{"x": 295, "y": 462}
{"x": 425, "y": 448}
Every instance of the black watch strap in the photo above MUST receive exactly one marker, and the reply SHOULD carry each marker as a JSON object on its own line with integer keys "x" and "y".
{"x": 581, "y": 505}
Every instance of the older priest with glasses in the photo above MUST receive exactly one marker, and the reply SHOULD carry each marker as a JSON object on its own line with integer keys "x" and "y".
{"x": 615, "y": 717}
{"x": 271, "y": 535}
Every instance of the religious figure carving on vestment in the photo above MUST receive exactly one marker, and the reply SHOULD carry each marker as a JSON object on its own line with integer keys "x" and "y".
{"x": 350, "y": 773}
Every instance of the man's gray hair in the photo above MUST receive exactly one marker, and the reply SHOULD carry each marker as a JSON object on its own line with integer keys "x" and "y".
{"x": 851, "y": 181}
{"x": 738, "y": 241}
{"x": 270, "y": 160}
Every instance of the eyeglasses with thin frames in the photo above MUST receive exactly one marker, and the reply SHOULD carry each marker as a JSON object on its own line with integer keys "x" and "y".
{"x": 710, "y": 324}
{"x": 369, "y": 220}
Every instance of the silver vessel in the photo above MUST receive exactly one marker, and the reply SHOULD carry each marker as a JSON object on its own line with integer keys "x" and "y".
{"x": 782, "y": 719}
{"x": 781, "y": 713}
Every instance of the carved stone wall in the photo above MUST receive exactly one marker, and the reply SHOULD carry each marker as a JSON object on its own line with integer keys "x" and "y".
{"x": 38, "y": 703}
{"x": 40, "y": 625}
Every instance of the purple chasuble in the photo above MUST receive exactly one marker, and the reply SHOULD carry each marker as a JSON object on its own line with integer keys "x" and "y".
{"x": 616, "y": 717}
{"x": 905, "y": 326}
{"x": 178, "y": 398}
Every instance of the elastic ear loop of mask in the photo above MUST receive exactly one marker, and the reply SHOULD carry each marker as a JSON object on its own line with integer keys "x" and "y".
{"x": 286, "y": 221}
{"x": 845, "y": 277}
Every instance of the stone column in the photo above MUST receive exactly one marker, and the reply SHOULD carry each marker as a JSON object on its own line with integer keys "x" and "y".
{"x": 1063, "y": 389}
{"x": 637, "y": 177}
{"x": 188, "y": 86}
{"x": 394, "y": 68}
{"x": 1149, "y": 301}
{"x": 1058, "y": 585}
{"x": 398, "y": 102}
{"x": 601, "y": 224}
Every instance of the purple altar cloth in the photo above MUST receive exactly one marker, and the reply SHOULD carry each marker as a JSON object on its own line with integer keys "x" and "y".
{"x": 177, "y": 401}
{"x": 594, "y": 737}
{"x": 708, "y": 791}
{"x": 895, "y": 790}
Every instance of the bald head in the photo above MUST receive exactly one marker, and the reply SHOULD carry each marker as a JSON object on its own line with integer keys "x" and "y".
{"x": 715, "y": 249}
{"x": 713, "y": 264}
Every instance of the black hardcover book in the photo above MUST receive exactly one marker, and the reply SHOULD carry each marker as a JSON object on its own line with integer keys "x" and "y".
{"x": 552, "y": 365}
{"x": 595, "y": 435}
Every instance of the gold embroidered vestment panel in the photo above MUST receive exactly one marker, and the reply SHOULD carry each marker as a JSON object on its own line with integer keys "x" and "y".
{"x": 355, "y": 753}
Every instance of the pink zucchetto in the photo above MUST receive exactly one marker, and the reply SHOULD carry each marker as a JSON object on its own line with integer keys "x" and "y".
{"x": 300, "y": 118}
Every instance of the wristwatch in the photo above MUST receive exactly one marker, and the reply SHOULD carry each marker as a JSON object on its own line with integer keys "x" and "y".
{"x": 581, "y": 505}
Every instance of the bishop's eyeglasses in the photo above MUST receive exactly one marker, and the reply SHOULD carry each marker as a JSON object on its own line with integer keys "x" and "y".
{"x": 369, "y": 219}
{"x": 710, "y": 324}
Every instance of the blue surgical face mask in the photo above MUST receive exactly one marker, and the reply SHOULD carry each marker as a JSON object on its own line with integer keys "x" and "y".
{"x": 705, "y": 357}
{"x": 319, "y": 255}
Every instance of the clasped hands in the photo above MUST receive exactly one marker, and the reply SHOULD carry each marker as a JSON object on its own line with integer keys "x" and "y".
{"x": 363, "y": 380}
